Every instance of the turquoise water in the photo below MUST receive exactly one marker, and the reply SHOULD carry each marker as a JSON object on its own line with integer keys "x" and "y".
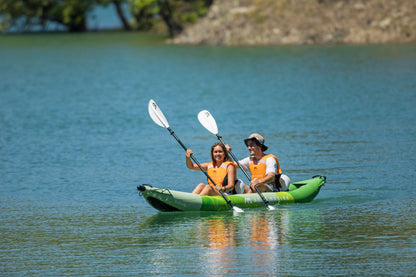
{"x": 76, "y": 140}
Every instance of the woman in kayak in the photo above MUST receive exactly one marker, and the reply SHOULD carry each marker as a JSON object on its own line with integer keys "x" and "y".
{"x": 221, "y": 170}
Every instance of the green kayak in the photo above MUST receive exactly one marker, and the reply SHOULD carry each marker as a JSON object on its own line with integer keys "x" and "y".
{"x": 170, "y": 200}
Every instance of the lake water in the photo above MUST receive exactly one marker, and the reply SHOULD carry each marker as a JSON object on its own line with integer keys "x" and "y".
{"x": 76, "y": 140}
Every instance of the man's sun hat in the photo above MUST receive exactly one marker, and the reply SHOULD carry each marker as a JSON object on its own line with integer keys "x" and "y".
{"x": 258, "y": 139}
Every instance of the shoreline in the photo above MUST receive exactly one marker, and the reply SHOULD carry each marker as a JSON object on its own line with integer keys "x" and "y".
{"x": 304, "y": 22}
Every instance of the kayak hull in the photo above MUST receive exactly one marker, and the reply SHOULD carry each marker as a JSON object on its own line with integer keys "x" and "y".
{"x": 170, "y": 200}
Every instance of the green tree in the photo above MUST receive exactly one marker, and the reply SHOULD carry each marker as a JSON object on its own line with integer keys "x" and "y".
{"x": 144, "y": 13}
{"x": 28, "y": 13}
{"x": 175, "y": 14}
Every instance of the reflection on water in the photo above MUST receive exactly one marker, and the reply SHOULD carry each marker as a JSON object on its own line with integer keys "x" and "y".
{"x": 218, "y": 237}
{"x": 218, "y": 242}
{"x": 265, "y": 238}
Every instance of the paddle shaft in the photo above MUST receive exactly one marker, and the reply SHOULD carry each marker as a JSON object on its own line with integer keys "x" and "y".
{"x": 200, "y": 167}
{"x": 235, "y": 159}
{"x": 245, "y": 173}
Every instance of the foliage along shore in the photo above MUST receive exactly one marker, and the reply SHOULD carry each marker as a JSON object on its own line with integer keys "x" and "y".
{"x": 229, "y": 22}
{"x": 271, "y": 22}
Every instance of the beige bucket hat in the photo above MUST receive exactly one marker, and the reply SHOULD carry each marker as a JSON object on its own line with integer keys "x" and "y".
{"x": 258, "y": 139}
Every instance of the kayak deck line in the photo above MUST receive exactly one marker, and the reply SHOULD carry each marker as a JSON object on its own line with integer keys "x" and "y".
{"x": 167, "y": 200}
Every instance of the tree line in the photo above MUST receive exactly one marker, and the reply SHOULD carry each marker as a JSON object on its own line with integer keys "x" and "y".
{"x": 72, "y": 15}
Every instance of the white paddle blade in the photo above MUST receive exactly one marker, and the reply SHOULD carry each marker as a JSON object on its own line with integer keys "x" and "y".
{"x": 270, "y": 208}
{"x": 157, "y": 115}
{"x": 208, "y": 121}
{"x": 237, "y": 210}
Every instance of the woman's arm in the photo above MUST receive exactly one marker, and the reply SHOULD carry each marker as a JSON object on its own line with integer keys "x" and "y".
{"x": 192, "y": 165}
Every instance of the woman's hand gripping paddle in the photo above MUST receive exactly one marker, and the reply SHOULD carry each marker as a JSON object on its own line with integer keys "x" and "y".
{"x": 158, "y": 117}
{"x": 208, "y": 121}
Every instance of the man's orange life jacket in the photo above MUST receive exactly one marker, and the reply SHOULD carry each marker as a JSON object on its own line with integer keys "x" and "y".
{"x": 259, "y": 170}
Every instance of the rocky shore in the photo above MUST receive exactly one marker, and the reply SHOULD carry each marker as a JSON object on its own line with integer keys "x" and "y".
{"x": 279, "y": 22}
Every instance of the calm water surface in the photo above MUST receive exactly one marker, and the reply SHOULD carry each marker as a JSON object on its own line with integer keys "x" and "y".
{"x": 76, "y": 140}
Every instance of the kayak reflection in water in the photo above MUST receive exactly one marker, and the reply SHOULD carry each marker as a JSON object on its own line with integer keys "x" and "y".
{"x": 221, "y": 170}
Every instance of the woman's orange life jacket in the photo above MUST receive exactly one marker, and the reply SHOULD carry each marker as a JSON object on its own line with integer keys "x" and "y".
{"x": 218, "y": 174}
{"x": 259, "y": 170}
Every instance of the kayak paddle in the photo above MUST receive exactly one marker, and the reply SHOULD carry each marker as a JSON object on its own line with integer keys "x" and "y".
{"x": 208, "y": 121}
{"x": 158, "y": 117}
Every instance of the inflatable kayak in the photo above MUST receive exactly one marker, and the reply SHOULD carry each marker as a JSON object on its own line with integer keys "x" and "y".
{"x": 167, "y": 200}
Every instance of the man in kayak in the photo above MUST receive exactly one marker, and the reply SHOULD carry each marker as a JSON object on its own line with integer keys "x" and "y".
{"x": 265, "y": 170}
{"x": 221, "y": 170}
